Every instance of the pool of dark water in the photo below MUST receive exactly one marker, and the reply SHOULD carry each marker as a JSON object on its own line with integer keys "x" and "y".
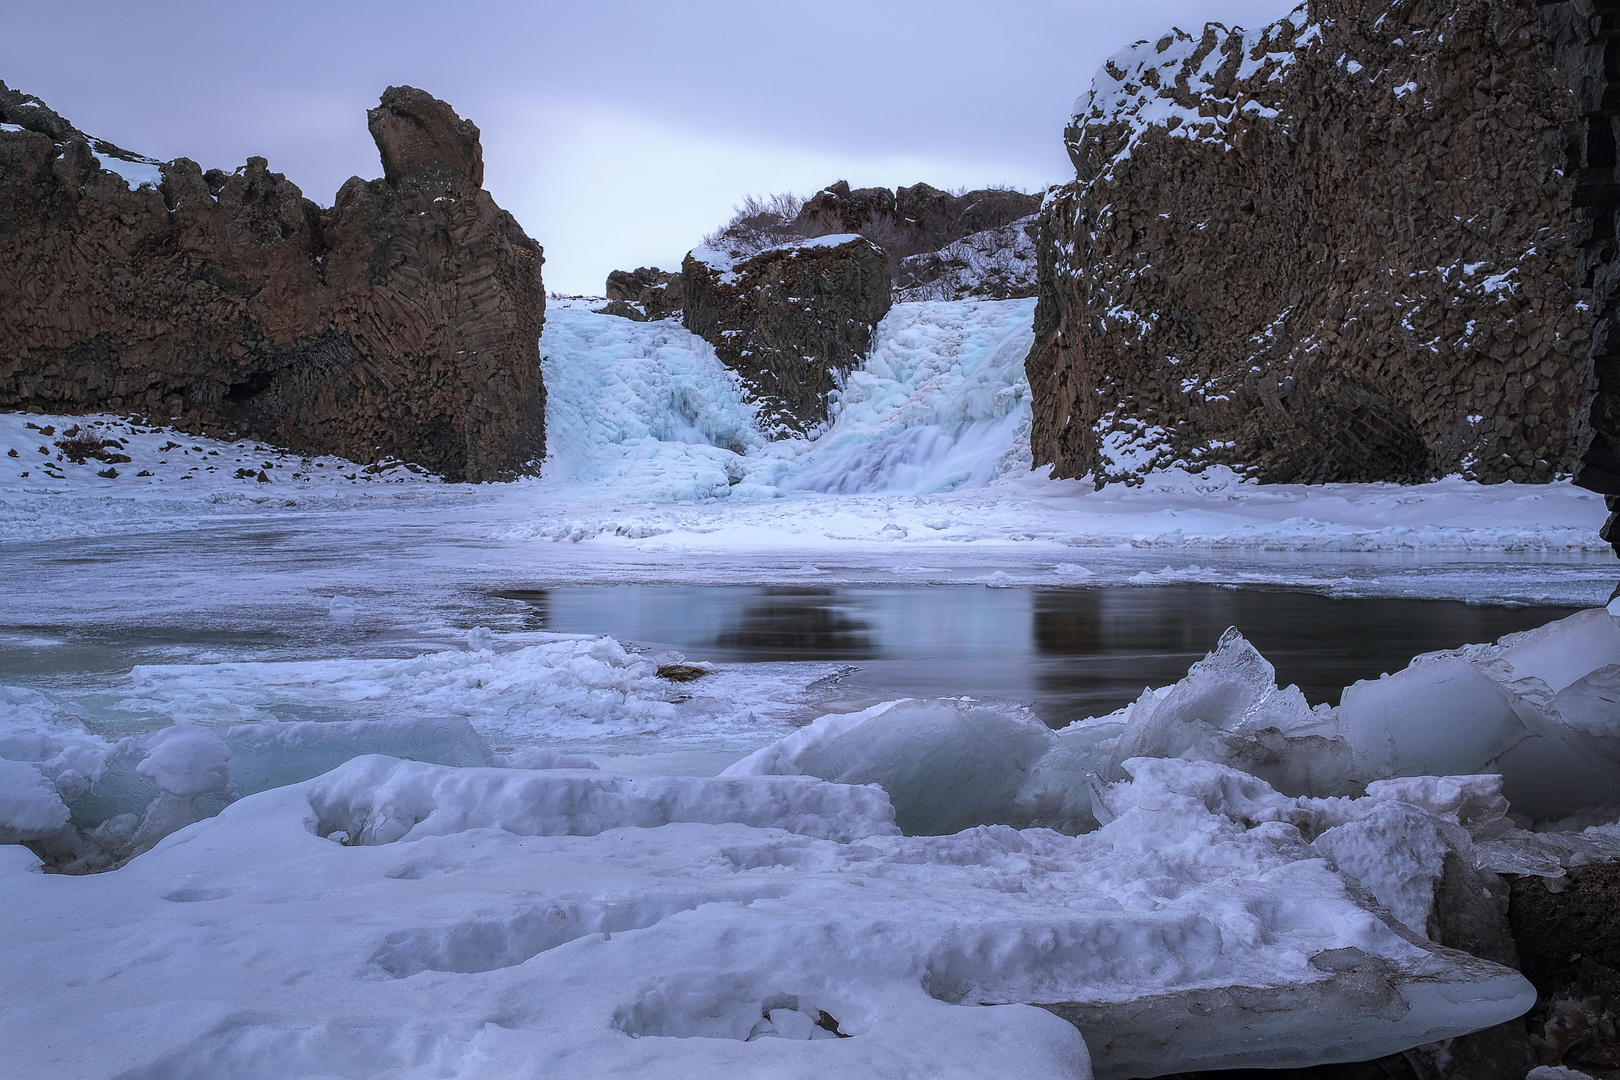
{"x": 1071, "y": 652}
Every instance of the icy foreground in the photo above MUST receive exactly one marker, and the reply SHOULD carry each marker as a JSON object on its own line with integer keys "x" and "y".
{"x": 423, "y": 921}
{"x": 1253, "y": 883}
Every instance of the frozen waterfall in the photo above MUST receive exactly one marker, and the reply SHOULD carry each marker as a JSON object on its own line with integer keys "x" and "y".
{"x": 941, "y": 403}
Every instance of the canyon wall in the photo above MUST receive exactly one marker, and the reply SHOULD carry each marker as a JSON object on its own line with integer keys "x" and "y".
{"x": 1372, "y": 241}
{"x": 402, "y": 322}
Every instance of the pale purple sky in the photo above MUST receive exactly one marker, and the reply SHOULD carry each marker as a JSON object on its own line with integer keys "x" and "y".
{"x": 616, "y": 133}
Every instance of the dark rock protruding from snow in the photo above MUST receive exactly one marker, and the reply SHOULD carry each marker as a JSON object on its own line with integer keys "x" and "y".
{"x": 645, "y": 293}
{"x": 1372, "y": 241}
{"x": 789, "y": 319}
{"x": 426, "y": 148}
{"x": 402, "y": 322}
{"x": 913, "y": 220}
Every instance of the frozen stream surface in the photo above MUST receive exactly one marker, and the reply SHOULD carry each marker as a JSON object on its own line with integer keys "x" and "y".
{"x": 384, "y": 780}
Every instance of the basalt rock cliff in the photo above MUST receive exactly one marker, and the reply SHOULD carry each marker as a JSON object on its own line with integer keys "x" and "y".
{"x": 789, "y": 319}
{"x": 911, "y": 220}
{"x": 645, "y": 293}
{"x": 1372, "y": 241}
{"x": 401, "y": 322}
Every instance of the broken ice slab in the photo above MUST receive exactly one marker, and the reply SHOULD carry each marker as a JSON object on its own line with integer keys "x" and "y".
{"x": 946, "y": 765}
{"x": 1541, "y": 707}
{"x": 1370, "y": 1008}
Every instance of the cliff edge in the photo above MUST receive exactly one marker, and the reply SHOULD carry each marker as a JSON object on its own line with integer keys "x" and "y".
{"x": 401, "y": 322}
{"x": 1371, "y": 241}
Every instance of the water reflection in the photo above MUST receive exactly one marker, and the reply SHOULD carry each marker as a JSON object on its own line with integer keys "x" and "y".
{"x": 1102, "y": 646}
{"x": 808, "y": 624}
{"x": 1070, "y": 652}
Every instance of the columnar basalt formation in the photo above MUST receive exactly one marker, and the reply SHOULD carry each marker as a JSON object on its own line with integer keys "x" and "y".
{"x": 402, "y": 322}
{"x": 789, "y": 319}
{"x": 1372, "y": 241}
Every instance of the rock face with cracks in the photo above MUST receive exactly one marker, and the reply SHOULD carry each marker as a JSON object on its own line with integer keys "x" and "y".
{"x": 1371, "y": 241}
{"x": 790, "y": 319}
{"x": 401, "y": 322}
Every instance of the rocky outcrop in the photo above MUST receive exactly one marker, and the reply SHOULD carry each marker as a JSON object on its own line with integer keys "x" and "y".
{"x": 912, "y": 220}
{"x": 996, "y": 264}
{"x": 1368, "y": 242}
{"x": 789, "y": 319}
{"x": 645, "y": 293}
{"x": 401, "y": 322}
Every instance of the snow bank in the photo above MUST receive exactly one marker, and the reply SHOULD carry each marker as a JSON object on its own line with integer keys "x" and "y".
{"x": 585, "y": 923}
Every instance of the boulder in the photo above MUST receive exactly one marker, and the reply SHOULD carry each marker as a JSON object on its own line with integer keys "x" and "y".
{"x": 401, "y": 322}
{"x": 1363, "y": 243}
{"x": 790, "y": 319}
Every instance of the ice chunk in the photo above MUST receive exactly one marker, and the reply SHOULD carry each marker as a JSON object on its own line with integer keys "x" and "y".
{"x": 341, "y": 607}
{"x": 781, "y": 758}
{"x": 532, "y": 758}
{"x": 1230, "y": 709}
{"x": 1398, "y": 852}
{"x": 30, "y": 808}
{"x": 186, "y": 761}
{"x": 1500, "y": 708}
{"x": 1474, "y": 802}
{"x": 1563, "y": 651}
{"x": 946, "y": 765}
{"x": 35, "y": 729}
{"x": 1440, "y": 716}
{"x": 380, "y": 800}
{"x": 274, "y": 754}
{"x": 1591, "y": 705}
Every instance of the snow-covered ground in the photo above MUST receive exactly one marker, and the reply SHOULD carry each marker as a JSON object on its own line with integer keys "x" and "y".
{"x": 194, "y": 626}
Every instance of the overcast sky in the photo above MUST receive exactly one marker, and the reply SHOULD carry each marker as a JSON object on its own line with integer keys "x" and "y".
{"x": 617, "y": 133}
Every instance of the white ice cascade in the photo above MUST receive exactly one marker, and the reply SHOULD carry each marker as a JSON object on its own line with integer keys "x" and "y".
{"x": 941, "y": 403}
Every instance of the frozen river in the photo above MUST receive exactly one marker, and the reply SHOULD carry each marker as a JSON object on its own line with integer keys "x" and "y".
{"x": 233, "y": 617}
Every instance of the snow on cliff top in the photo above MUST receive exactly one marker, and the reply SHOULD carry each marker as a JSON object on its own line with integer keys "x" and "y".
{"x": 1192, "y": 88}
